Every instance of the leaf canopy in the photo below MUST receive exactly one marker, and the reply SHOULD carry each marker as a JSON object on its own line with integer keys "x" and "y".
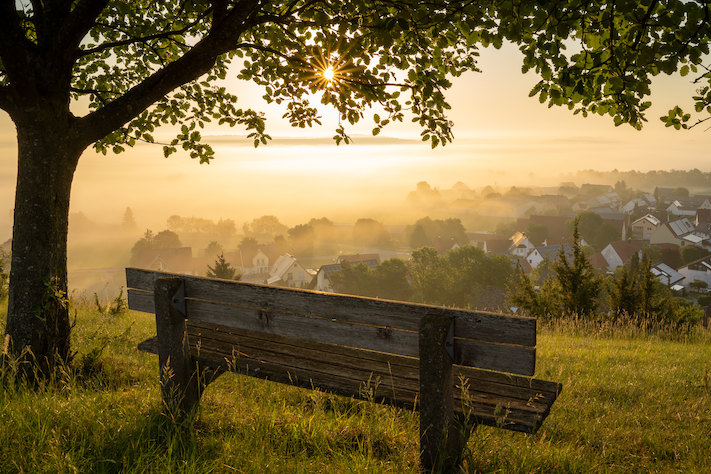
{"x": 142, "y": 64}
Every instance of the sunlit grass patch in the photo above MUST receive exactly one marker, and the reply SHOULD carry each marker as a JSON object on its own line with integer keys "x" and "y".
{"x": 631, "y": 401}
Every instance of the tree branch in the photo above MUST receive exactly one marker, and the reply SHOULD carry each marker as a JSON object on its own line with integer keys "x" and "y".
{"x": 193, "y": 64}
{"x": 142, "y": 39}
{"x": 78, "y": 24}
{"x": 15, "y": 49}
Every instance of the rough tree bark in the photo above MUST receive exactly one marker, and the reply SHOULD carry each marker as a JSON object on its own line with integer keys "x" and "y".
{"x": 38, "y": 325}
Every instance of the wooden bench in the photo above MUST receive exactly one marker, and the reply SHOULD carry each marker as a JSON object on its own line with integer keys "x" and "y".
{"x": 458, "y": 368}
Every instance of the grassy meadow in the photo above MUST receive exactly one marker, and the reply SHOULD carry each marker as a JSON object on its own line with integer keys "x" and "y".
{"x": 633, "y": 400}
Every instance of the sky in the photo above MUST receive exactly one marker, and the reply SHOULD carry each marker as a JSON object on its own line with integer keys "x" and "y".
{"x": 502, "y": 137}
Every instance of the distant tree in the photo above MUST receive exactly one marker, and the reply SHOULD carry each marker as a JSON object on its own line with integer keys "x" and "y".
{"x": 166, "y": 239}
{"x": 301, "y": 231}
{"x": 418, "y": 238}
{"x": 354, "y": 280}
{"x": 323, "y": 228}
{"x": 681, "y": 192}
{"x": 698, "y": 284}
{"x": 265, "y": 228}
{"x": 620, "y": 187}
{"x": 536, "y": 233}
{"x": 440, "y": 234}
{"x": 222, "y": 269}
{"x": 301, "y": 239}
{"x": 670, "y": 256}
{"x": 391, "y": 280}
{"x": 691, "y": 253}
{"x": 595, "y": 230}
{"x": 371, "y": 233}
{"x": 128, "y": 222}
{"x": 428, "y": 276}
{"x": 506, "y": 228}
{"x": 213, "y": 249}
{"x": 248, "y": 244}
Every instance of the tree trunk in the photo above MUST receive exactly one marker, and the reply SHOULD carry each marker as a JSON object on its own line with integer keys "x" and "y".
{"x": 38, "y": 326}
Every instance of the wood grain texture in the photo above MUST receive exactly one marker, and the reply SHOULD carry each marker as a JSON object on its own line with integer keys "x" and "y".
{"x": 500, "y": 357}
{"x": 512, "y": 402}
{"x": 478, "y": 325}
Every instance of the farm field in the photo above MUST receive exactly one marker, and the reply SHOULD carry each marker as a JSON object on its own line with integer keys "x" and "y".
{"x": 632, "y": 401}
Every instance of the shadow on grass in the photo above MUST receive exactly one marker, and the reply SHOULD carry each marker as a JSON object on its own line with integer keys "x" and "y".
{"x": 155, "y": 443}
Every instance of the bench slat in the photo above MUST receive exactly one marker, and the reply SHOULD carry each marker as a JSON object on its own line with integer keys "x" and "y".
{"x": 395, "y": 388}
{"x": 507, "y": 358}
{"x": 406, "y": 367}
{"x": 479, "y": 325}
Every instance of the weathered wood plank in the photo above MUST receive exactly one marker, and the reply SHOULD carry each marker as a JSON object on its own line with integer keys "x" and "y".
{"x": 482, "y": 326}
{"x": 512, "y": 414}
{"x": 500, "y": 357}
{"x": 389, "y": 372}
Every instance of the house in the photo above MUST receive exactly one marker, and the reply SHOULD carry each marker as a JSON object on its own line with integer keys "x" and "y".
{"x": 688, "y": 207}
{"x": 699, "y": 270}
{"x": 617, "y": 254}
{"x": 322, "y": 281}
{"x": 520, "y": 245}
{"x": 254, "y": 263}
{"x": 644, "y": 227}
{"x": 666, "y": 274}
{"x": 673, "y": 232}
{"x": 548, "y": 252}
{"x": 645, "y": 201}
{"x": 611, "y": 199}
{"x": 286, "y": 271}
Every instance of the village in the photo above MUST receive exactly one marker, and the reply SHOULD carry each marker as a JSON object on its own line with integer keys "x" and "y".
{"x": 669, "y": 224}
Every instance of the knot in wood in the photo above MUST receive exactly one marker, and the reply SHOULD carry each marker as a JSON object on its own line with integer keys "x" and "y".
{"x": 385, "y": 333}
{"x": 265, "y": 318}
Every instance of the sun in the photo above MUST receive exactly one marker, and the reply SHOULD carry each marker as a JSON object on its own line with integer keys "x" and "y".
{"x": 329, "y": 73}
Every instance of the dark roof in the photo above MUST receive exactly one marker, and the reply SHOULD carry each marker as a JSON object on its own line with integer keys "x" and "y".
{"x": 626, "y": 248}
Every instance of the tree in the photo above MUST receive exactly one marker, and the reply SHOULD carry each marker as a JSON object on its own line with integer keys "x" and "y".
{"x": 578, "y": 285}
{"x": 165, "y": 239}
{"x": 265, "y": 228}
{"x": 141, "y": 65}
{"x": 222, "y": 269}
{"x": 128, "y": 222}
{"x": 691, "y": 253}
{"x": 213, "y": 249}
{"x": 371, "y": 233}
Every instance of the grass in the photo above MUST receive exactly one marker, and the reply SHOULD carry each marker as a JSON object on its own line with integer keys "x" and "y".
{"x": 633, "y": 400}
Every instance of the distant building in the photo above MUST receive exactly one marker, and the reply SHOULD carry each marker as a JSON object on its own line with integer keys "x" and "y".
{"x": 677, "y": 232}
{"x": 286, "y": 271}
{"x": 644, "y": 227}
{"x": 619, "y": 253}
{"x": 666, "y": 274}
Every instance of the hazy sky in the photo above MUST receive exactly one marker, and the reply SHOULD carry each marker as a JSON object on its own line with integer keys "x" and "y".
{"x": 501, "y": 137}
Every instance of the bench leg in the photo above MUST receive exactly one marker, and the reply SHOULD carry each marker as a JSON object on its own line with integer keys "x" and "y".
{"x": 182, "y": 379}
{"x": 443, "y": 435}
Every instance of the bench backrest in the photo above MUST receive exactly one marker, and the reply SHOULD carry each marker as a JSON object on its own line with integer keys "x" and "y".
{"x": 479, "y": 339}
